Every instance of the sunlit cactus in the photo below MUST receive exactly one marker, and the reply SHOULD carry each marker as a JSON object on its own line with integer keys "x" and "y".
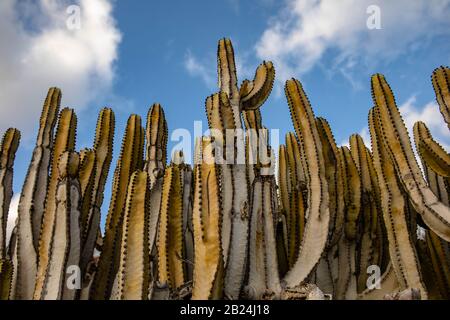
{"x": 337, "y": 222}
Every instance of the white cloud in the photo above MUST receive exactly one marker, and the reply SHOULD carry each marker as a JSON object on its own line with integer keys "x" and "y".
{"x": 199, "y": 69}
{"x": 301, "y": 34}
{"x": 38, "y": 51}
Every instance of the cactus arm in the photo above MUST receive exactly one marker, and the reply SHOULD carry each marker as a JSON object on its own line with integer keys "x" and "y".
{"x": 32, "y": 199}
{"x": 66, "y": 235}
{"x": 368, "y": 226}
{"x": 254, "y": 93}
{"x": 170, "y": 236}
{"x": 86, "y": 179}
{"x": 296, "y": 213}
{"x": 133, "y": 275}
{"x": 103, "y": 148}
{"x": 264, "y": 280}
{"x": 127, "y": 163}
{"x": 227, "y": 73}
{"x": 220, "y": 119}
{"x": 157, "y": 135}
{"x": 403, "y": 256}
{"x": 333, "y": 172}
{"x": 317, "y": 212}
{"x": 252, "y": 119}
{"x": 284, "y": 191}
{"x": 441, "y": 84}
{"x": 395, "y": 136}
{"x": 207, "y": 212}
{"x": 431, "y": 152}
{"x": 8, "y": 148}
{"x": 64, "y": 141}
{"x": 346, "y": 284}
{"x": 224, "y": 114}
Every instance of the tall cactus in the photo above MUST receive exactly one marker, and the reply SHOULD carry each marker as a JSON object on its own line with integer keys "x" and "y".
{"x": 317, "y": 212}
{"x": 32, "y": 198}
{"x": 395, "y": 137}
{"x": 132, "y": 280}
{"x": 250, "y": 96}
{"x": 66, "y": 238}
{"x": 441, "y": 84}
{"x": 263, "y": 277}
{"x": 170, "y": 230}
{"x": 100, "y": 158}
{"x": 130, "y": 160}
{"x": 393, "y": 204}
{"x": 8, "y": 148}
{"x": 64, "y": 141}
{"x": 207, "y": 218}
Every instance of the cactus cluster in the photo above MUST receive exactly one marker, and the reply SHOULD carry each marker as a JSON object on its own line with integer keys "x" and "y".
{"x": 228, "y": 226}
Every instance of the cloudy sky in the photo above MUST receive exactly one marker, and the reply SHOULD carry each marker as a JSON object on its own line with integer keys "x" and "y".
{"x": 130, "y": 54}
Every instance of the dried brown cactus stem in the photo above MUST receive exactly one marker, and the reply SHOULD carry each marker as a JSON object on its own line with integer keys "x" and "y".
{"x": 395, "y": 137}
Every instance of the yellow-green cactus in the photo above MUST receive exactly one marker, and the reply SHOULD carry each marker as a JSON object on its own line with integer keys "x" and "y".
{"x": 170, "y": 230}
{"x": 206, "y": 220}
{"x": 405, "y": 263}
{"x": 396, "y": 140}
{"x": 441, "y": 84}
{"x": 132, "y": 280}
{"x": 64, "y": 141}
{"x": 318, "y": 214}
{"x": 94, "y": 168}
{"x": 130, "y": 160}
{"x": 32, "y": 199}
{"x": 8, "y": 148}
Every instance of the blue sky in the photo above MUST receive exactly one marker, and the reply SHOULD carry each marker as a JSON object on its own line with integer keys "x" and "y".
{"x": 130, "y": 54}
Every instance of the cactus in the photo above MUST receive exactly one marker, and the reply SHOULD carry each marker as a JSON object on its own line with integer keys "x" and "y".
{"x": 94, "y": 168}
{"x": 395, "y": 136}
{"x": 441, "y": 84}
{"x": 132, "y": 281}
{"x": 227, "y": 229}
{"x": 64, "y": 141}
{"x": 130, "y": 160}
{"x": 8, "y": 148}
{"x": 32, "y": 199}
{"x": 206, "y": 219}
{"x": 318, "y": 214}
